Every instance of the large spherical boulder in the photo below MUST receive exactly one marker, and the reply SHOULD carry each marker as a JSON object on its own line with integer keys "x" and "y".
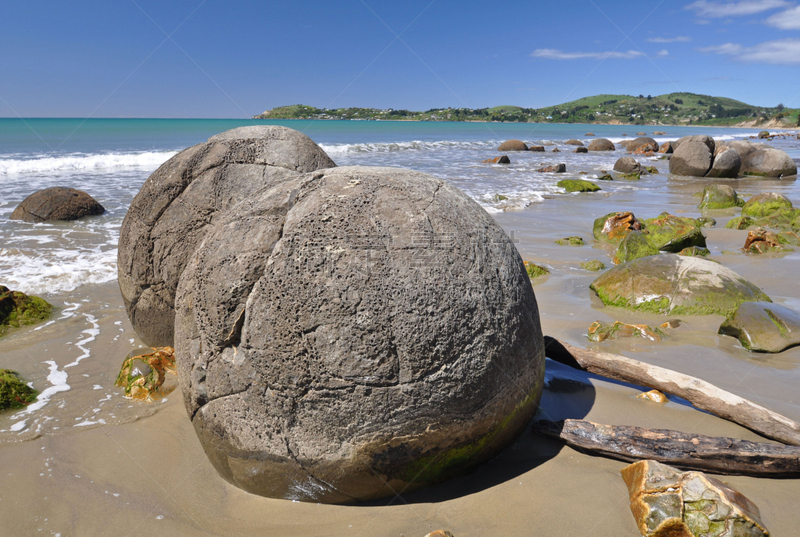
{"x": 601, "y": 144}
{"x": 356, "y": 332}
{"x": 513, "y": 145}
{"x": 726, "y": 164}
{"x": 627, "y": 165}
{"x": 643, "y": 144}
{"x": 169, "y": 216}
{"x": 717, "y": 196}
{"x": 768, "y": 162}
{"x": 693, "y": 156}
{"x": 56, "y": 203}
{"x": 671, "y": 284}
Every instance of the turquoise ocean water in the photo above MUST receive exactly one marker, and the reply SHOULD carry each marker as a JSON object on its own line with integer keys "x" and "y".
{"x": 111, "y": 158}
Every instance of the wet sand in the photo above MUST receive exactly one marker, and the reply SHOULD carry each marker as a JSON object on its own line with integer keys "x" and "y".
{"x": 143, "y": 470}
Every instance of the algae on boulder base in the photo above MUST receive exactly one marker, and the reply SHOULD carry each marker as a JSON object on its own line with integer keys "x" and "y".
{"x": 636, "y": 244}
{"x": 13, "y": 392}
{"x": 670, "y": 233}
{"x": 143, "y": 376}
{"x": 578, "y": 185}
{"x": 570, "y": 241}
{"x": 763, "y": 327}
{"x": 676, "y": 285}
{"x": 18, "y": 309}
{"x": 765, "y": 204}
{"x": 720, "y": 197}
{"x": 534, "y": 270}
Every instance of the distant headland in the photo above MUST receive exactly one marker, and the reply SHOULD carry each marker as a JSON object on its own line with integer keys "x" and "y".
{"x": 669, "y": 109}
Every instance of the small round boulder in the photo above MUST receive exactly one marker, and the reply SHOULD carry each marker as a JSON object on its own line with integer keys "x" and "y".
{"x": 169, "y": 216}
{"x": 513, "y": 145}
{"x": 768, "y": 162}
{"x": 355, "y": 332}
{"x": 601, "y": 144}
{"x": 56, "y": 203}
{"x": 627, "y": 165}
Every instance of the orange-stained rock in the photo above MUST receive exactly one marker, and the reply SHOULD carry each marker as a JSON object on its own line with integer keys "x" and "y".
{"x": 440, "y": 533}
{"x": 599, "y": 331}
{"x": 143, "y": 376}
{"x": 614, "y": 227}
{"x": 761, "y": 241}
{"x": 654, "y": 396}
{"x": 498, "y": 160}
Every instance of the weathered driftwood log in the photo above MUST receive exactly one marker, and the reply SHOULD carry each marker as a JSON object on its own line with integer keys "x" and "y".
{"x": 695, "y": 452}
{"x": 701, "y": 394}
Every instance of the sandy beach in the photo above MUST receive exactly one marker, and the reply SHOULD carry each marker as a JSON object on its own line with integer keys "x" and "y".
{"x": 104, "y": 464}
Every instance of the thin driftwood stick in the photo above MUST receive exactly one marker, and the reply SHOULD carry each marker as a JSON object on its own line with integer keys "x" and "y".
{"x": 700, "y": 393}
{"x": 695, "y": 452}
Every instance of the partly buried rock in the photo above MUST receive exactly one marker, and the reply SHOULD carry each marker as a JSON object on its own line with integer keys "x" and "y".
{"x": 513, "y": 145}
{"x": 636, "y": 244}
{"x": 534, "y": 271}
{"x": 669, "y": 503}
{"x": 536, "y": 148}
{"x": 763, "y": 327}
{"x": 783, "y": 218}
{"x": 578, "y": 185}
{"x": 695, "y": 251}
{"x": 666, "y": 148}
{"x": 718, "y": 196}
{"x": 599, "y": 331}
{"x": 768, "y": 162}
{"x": 56, "y": 203}
{"x": 498, "y": 160}
{"x": 570, "y": 241}
{"x": 670, "y": 233}
{"x": 581, "y": 150}
{"x": 574, "y": 142}
{"x": 693, "y": 156}
{"x": 555, "y": 168}
{"x": 601, "y": 144}
{"x": 13, "y": 392}
{"x": 726, "y": 164}
{"x": 595, "y": 265}
{"x": 143, "y": 376}
{"x": 170, "y": 215}
{"x": 765, "y": 204}
{"x": 18, "y": 309}
{"x": 761, "y": 241}
{"x": 677, "y": 285}
{"x": 613, "y": 227}
{"x": 348, "y": 333}
{"x": 627, "y": 165}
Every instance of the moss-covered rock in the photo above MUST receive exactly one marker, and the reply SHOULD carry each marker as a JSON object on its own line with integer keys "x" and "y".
{"x": 783, "y": 218}
{"x": 706, "y": 221}
{"x": 595, "y": 265}
{"x": 13, "y": 392}
{"x": 670, "y": 233}
{"x": 578, "y": 185}
{"x": 570, "y": 241}
{"x": 497, "y": 198}
{"x": 605, "y": 177}
{"x": 534, "y": 270}
{"x": 676, "y": 285}
{"x": 599, "y": 331}
{"x": 765, "y": 204}
{"x": 18, "y": 309}
{"x": 695, "y": 251}
{"x": 613, "y": 227}
{"x": 761, "y": 241}
{"x": 143, "y": 376}
{"x": 651, "y": 169}
{"x": 720, "y": 197}
{"x": 634, "y": 176}
{"x": 636, "y": 244}
{"x": 763, "y": 327}
{"x": 740, "y": 222}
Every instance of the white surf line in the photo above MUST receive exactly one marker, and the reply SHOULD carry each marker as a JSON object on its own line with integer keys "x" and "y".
{"x": 58, "y": 381}
{"x": 91, "y": 333}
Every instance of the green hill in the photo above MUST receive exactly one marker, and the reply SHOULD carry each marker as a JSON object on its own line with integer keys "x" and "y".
{"x": 670, "y": 109}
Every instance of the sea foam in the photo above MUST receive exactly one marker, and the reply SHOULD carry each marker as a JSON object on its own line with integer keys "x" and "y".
{"x": 83, "y": 162}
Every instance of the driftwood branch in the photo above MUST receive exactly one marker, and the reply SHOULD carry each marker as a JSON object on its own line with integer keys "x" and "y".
{"x": 700, "y": 393}
{"x": 694, "y": 452}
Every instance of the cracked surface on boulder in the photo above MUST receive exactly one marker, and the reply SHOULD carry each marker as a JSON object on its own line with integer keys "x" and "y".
{"x": 169, "y": 216}
{"x": 355, "y": 331}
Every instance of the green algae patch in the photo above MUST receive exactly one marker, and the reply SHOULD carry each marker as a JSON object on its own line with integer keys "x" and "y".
{"x": 18, "y": 309}
{"x": 595, "y": 265}
{"x": 652, "y": 169}
{"x": 599, "y": 331}
{"x": 633, "y": 176}
{"x": 783, "y": 218}
{"x": 605, "y": 177}
{"x": 577, "y": 185}
{"x": 534, "y": 270}
{"x": 695, "y": 251}
{"x": 570, "y": 241}
{"x": 718, "y": 196}
{"x": 706, "y": 221}
{"x": 635, "y": 245}
{"x": 765, "y": 204}
{"x": 499, "y": 197}
{"x": 670, "y": 233}
{"x": 13, "y": 392}
{"x": 675, "y": 285}
{"x": 740, "y": 222}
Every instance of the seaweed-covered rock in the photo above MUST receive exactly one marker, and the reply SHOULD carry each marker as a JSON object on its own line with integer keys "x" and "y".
{"x": 668, "y": 503}
{"x": 601, "y": 144}
{"x": 635, "y": 245}
{"x": 578, "y": 185}
{"x": 693, "y": 156}
{"x": 740, "y": 222}
{"x": 720, "y": 197}
{"x": 635, "y": 176}
{"x": 627, "y": 165}
{"x": 706, "y": 221}
{"x": 595, "y": 265}
{"x": 783, "y": 218}
{"x": 726, "y": 164}
{"x": 600, "y": 331}
{"x": 143, "y": 376}
{"x": 13, "y": 392}
{"x": 765, "y": 204}
{"x": 677, "y": 285}
{"x": 670, "y": 233}
{"x": 768, "y": 162}
{"x": 56, "y": 203}
{"x": 170, "y": 215}
{"x": 761, "y": 241}
{"x": 763, "y": 327}
{"x": 605, "y": 177}
{"x": 18, "y": 309}
{"x": 570, "y": 241}
{"x": 695, "y": 251}
{"x": 613, "y": 227}
{"x": 513, "y": 145}
{"x": 348, "y": 333}
{"x": 534, "y": 271}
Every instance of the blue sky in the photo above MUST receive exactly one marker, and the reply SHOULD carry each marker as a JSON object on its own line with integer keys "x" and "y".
{"x": 196, "y": 58}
